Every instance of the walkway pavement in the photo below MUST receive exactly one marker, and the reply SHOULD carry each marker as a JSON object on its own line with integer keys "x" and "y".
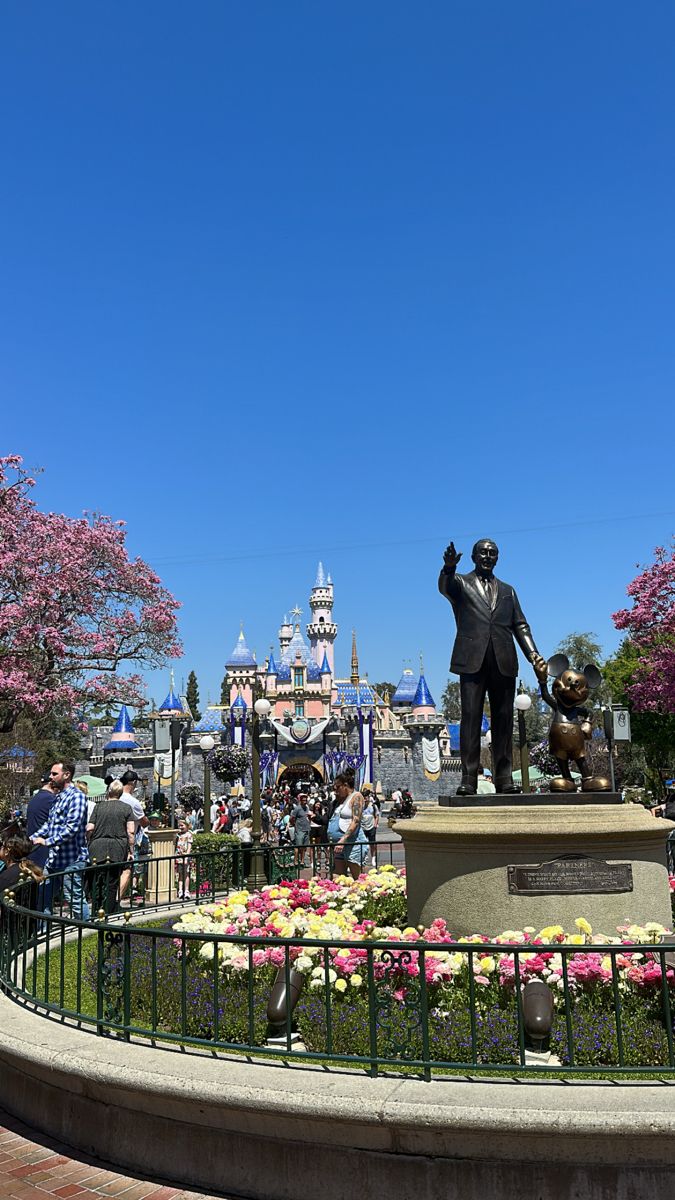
{"x": 34, "y": 1167}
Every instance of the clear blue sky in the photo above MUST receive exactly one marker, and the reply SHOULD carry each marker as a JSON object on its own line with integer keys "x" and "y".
{"x": 282, "y": 281}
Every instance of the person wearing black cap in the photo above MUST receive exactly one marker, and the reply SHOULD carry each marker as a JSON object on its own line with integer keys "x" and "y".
{"x": 37, "y": 813}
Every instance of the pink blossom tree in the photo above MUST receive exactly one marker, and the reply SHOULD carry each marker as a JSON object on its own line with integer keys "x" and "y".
{"x": 74, "y": 609}
{"x": 650, "y": 625}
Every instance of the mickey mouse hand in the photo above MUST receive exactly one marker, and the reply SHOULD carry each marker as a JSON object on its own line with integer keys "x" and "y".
{"x": 540, "y": 668}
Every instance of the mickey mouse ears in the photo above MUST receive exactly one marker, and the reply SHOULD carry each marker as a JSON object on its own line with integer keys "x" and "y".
{"x": 557, "y": 664}
{"x": 560, "y": 662}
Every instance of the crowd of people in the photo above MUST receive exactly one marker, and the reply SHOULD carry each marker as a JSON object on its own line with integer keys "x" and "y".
{"x": 301, "y": 817}
{"x": 65, "y": 833}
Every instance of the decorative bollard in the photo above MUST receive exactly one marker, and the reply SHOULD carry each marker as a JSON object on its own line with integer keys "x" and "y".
{"x": 537, "y": 1004}
{"x": 280, "y": 1006}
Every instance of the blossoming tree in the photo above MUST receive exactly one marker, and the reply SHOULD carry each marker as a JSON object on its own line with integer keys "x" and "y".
{"x": 74, "y": 608}
{"x": 650, "y": 625}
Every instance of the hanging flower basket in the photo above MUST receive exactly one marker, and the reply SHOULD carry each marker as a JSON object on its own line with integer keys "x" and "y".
{"x": 189, "y": 793}
{"x": 229, "y": 763}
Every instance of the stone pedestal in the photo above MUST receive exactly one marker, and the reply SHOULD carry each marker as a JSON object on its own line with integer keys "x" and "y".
{"x": 458, "y": 860}
{"x": 163, "y": 842}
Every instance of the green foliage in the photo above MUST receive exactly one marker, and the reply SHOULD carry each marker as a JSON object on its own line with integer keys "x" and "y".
{"x": 222, "y": 866}
{"x": 385, "y": 686}
{"x": 653, "y": 733}
{"x": 450, "y": 702}
{"x": 192, "y": 695}
{"x": 581, "y": 649}
{"x": 52, "y": 737}
{"x": 225, "y": 690}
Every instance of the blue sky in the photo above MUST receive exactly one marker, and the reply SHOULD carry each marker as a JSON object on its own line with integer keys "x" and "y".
{"x": 283, "y": 282}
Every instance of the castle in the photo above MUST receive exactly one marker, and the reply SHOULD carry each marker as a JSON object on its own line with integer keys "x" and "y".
{"x": 318, "y": 724}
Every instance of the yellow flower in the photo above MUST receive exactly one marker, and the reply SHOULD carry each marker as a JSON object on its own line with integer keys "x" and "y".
{"x": 356, "y": 981}
{"x": 487, "y": 965}
{"x": 341, "y": 985}
{"x": 583, "y": 926}
{"x": 550, "y": 932}
{"x": 576, "y": 939}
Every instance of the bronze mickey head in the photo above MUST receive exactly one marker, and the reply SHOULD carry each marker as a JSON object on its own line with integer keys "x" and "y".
{"x": 570, "y": 686}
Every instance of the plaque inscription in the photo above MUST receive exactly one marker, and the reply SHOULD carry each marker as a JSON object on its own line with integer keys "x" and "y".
{"x": 570, "y": 874}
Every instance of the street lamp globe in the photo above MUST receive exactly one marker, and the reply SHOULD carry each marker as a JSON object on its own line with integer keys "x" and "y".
{"x": 206, "y": 743}
{"x": 263, "y": 707}
{"x": 523, "y": 702}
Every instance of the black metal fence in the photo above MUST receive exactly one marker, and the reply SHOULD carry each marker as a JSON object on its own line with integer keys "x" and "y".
{"x": 419, "y": 1007}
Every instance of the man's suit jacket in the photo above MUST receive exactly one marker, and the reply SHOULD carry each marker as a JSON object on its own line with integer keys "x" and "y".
{"x": 478, "y": 624}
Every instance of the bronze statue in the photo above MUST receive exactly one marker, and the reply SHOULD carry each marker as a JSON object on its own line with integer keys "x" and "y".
{"x": 571, "y": 726}
{"x": 488, "y": 616}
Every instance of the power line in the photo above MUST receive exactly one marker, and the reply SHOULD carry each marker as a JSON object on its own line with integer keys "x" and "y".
{"x": 279, "y": 551}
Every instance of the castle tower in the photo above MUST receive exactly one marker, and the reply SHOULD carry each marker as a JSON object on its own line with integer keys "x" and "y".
{"x": 285, "y": 634}
{"x": 423, "y": 704}
{"x": 241, "y": 671}
{"x": 123, "y": 737}
{"x": 322, "y": 630}
{"x": 424, "y": 725}
{"x": 355, "y": 662}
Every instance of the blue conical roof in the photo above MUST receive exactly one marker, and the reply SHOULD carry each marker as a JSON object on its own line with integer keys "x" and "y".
{"x": 123, "y": 733}
{"x": 241, "y": 655}
{"x": 423, "y": 697}
{"x": 320, "y": 576}
{"x": 272, "y": 667}
{"x": 240, "y": 702}
{"x": 405, "y": 692}
{"x": 123, "y": 723}
{"x": 171, "y": 703}
{"x": 325, "y": 666}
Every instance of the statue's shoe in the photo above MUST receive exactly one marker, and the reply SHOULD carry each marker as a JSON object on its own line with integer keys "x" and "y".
{"x": 508, "y": 788}
{"x": 560, "y": 784}
{"x": 596, "y": 783}
{"x": 466, "y": 789}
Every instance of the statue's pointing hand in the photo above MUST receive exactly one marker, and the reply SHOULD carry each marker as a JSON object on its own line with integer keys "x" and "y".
{"x": 451, "y": 557}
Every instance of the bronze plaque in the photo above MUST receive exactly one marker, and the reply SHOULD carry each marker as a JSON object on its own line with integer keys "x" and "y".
{"x": 568, "y": 875}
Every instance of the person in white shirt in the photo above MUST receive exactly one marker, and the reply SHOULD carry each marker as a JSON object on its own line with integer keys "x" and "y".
{"x": 129, "y": 781}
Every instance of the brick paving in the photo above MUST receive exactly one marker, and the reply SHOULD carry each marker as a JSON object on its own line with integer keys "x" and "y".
{"x": 35, "y": 1167}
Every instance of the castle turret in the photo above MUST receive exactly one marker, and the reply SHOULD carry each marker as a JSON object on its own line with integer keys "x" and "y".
{"x": 241, "y": 670}
{"x": 424, "y": 725}
{"x": 355, "y": 675}
{"x": 285, "y": 634}
{"x": 172, "y": 702}
{"x": 272, "y": 672}
{"x": 405, "y": 692}
{"x": 322, "y": 629}
{"x": 423, "y": 704}
{"x": 122, "y": 737}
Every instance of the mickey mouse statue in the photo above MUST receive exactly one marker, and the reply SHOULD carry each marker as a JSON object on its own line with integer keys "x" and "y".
{"x": 571, "y": 726}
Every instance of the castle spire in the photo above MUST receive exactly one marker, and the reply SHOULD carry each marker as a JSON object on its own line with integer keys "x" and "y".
{"x": 355, "y": 676}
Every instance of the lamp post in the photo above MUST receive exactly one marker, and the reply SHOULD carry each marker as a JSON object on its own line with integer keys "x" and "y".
{"x": 256, "y": 876}
{"x": 206, "y": 744}
{"x": 523, "y": 704}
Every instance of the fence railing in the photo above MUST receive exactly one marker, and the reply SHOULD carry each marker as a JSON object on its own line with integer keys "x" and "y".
{"x": 419, "y": 1007}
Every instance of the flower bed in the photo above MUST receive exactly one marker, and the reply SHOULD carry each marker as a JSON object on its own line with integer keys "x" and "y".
{"x": 430, "y": 998}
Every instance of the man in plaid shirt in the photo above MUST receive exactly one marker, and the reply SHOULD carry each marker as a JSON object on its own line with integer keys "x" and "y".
{"x": 64, "y": 833}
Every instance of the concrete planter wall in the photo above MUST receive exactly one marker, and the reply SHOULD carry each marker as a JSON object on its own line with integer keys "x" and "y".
{"x": 280, "y": 1132}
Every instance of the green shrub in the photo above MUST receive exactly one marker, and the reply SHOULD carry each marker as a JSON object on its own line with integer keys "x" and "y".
{"x": 221, "y": 867}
